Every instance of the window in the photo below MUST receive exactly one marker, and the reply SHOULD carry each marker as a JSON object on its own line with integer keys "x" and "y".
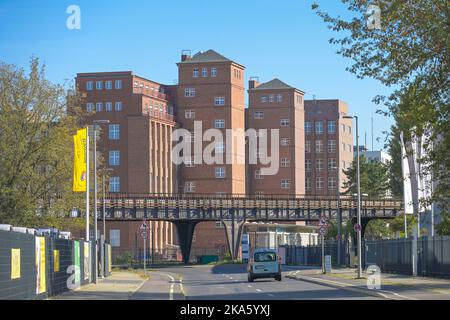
{"x": 319, "y": 127}
{"x": 319, "y": 165}
{"x": 114, "y": 238}
{"x": 349, "y": 148}
{"x": 285, "y": 141}
{"x": 349, "y": 129}
{"x": 114, "y": 132}
{"x": 204, "y": 72}
{"x": 285, "y": 122}
{"x": 108, "y": 106}
{"x": 319, "y": 183}
{"x": 332, "y": 166}
{"x": 308, "y": 127}
{"x": 114, "y": 158}
{"x": 299, "y": 99}
{"x": 331, "y": 183}
{"x": 308, "y": 146}
{"x": 118, "y": 106}
{"x": 108, "y": 85}
{"x": 308, "y": 166}
{"x": 99, "y": 85}
{"x": 331, "y": 126}
{"x": 99, "y": 106}
{"x": 343, "y": 128}
{"x": 279, "y": 98}
{"x": 90, "y": 85}
{"x": 219, "y": 101}
{"x": 189, "y": 92}
{"x": 195, "y": 73}
{"x": 319, "y": 146}
{"x": 219, "y": 124}
{"x": 258, "y": 115}
{"x": 89, "y": 107}
{"x": 220, "y": 173}
{"x": 258, "y": 175}
{"x": 308, "y": 184}
{"x": 263, "y": 99}
{"x": 189, "y": 114}
{"x": 343, "y": 146}
{"x": 213, "y": 72}
{"x": 331, "y": 146}
{"x": 189, "y": 187}
{"x": 343, "y": 165}
{"x": 219, "y": 224}
{"x": 114, "y": 184}
{"x": 285, "y": 162}
{"x": 219, "y": 147}
{"x": 118, "y": 84}
{"x": 271, "y": 98}
{"x": 136, "y": 84}
{"x": 285, "y": 184}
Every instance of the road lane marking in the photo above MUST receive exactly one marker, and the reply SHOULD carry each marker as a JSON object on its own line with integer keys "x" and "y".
{"x": 259, "y": 290}
{"x": 172, "y": 279}
{"x": 250, "y": 286}
{"x": 271, "y": 295}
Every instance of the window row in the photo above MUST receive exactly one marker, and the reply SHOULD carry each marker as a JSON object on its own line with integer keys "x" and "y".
{"x": 271, "y": 98}
{"x": 320, "y": 183}
{"x": 108, "y": 106}
{"x": 332, "y": 165}
{"x": 108, "y": 85}
{"x": 204, "y": 72}
{"x": 319, "y": 127}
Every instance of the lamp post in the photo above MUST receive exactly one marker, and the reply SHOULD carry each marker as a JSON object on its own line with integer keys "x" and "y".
{"x": 104, "y": 171}
{"x": 95, "y": 274}
{"x": 358, "y": 186}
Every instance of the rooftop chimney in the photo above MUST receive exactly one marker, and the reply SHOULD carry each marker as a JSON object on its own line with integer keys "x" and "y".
{"x": 253, "y": 82}
{"x": 186, "y": 55}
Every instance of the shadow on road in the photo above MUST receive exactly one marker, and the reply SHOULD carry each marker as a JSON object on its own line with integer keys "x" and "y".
{"x": 229, "y": 269}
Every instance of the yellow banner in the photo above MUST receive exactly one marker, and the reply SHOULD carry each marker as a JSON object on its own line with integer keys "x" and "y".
{"x": 40, "y": 265}
{"x": 55, "y": 260}
{"x": 79, "y": 161}
{"x": 15, "y": 263}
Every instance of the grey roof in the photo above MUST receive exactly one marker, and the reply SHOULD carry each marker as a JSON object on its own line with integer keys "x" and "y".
{"x": 207, "y": 56}
{"x": 273, "y": 84}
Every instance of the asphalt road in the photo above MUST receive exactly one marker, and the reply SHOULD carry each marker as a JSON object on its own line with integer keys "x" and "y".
{"x": 229, "y": 282}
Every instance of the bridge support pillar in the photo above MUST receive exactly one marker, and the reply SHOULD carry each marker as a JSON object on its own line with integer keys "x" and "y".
{"x": 233, "y": 230}
{"x": 185, "y": 231}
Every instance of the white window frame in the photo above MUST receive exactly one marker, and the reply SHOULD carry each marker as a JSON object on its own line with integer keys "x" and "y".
{"x": 90, "y": 107}
{"x": 219, "y": 123}
{"x": 308, "y": 147}
{"x": 99, "y": 106}
{"x": 285, "y": 162}
{"x": 108, "y": 106}
{"x": 98, "y": 85}
{"x": 271, "y": 98}
{"x": 189, "y": 114}
{"x": 204, "y": 72}
{"x": 319, "y": 165}
{"x": 189, "y": 187}
{"x": 285, "y": 183}
{"x": 114, "y": 184}
{"x": 118, "y": 84}
{"x": 308, "y": 127}
{"x": 331, "y": 127}
{"x": 319, "y": 183}
{"x": 319, "y": 146}
{"x": 285, "y": 122}
{"x": 332, "y": 164}
{"x": 118, "y": 106}
{"x": 108, "y": 84}
{"x": 285, "y": 142}
{"x": 219, "y": 101}
{"x": 220, "y": 172}
{"x": 114, "y": 237}
{"x": 258, "y": 115}
{"x": 219, "y": 147}
{"x": 114, "y": 158}
{"x": 89, "y": 85}
{"x": 264, "y": 99}
{"x": 319, "y": 127}
{"x": 279, "y": 98}
{"x": 308, "y": 165}
{"x": 331, "y": 146}
{"x": 189, "y": 92}
{"x": 195, "y": 73}
{"x": 258, "y": 175}
{"x": 114, "y": 132}
{"x": 213, "y": 72}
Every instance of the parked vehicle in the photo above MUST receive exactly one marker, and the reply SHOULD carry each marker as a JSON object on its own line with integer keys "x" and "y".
{"x": 264, "y": 263}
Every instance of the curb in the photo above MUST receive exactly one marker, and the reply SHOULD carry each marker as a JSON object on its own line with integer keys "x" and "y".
{"x": 339, "y": 285}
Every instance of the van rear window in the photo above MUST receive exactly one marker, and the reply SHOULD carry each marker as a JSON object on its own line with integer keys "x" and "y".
{"x": 265, "y": 257}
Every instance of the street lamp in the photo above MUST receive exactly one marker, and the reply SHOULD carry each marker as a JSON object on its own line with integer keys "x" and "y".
{"x": 95, "y": 274}
{"x": 103, "y": 258}
{"x": 358, "y": 186}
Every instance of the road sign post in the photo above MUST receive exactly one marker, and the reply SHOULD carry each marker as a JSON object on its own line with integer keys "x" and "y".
{"x": 143, "y": 229}
{"x": 322, "y": 230}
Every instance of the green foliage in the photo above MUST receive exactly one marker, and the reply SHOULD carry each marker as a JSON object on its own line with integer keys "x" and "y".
{"x": 36, "y": 150}
{"x": 373, "y": 178}
{"x": 410, "y": 53}
{"x": 395, "y": 174}
{"x": 124, "y": 259}
{"x": 443, "y": 228}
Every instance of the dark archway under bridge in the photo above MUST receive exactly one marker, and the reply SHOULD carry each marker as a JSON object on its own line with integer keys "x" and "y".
{"x": 186, "y": 211}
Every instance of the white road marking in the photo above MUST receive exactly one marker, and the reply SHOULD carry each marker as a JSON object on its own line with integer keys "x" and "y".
{"x": 271, "y": 295}
{"x": 250, "y": 286}
{"x": 172, "y": 279}
{"x": 259, "y": 290}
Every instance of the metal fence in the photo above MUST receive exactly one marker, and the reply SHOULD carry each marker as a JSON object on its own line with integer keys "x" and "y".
{"x": 391, "y": 256}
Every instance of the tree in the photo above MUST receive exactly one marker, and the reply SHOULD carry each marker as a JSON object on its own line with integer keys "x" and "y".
{"x": 395, "y": 173}
{"x": 443, "y": 227}
{"x": 373, "y": 178}
{"x": 36, "y": 150}
{"x": 409, "y": 52}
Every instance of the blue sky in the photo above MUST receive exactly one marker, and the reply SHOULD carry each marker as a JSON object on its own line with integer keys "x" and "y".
{"x": 283, "y": 39}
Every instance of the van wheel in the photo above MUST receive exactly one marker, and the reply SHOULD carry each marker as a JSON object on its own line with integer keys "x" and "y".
{"x": 250, "y": 278}
{"x": 278, "y": 278}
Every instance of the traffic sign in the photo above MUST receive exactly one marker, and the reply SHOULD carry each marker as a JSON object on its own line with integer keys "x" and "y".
{"x": 323, "y": 221}
{"x": 357, "y": 227}
{"x": 143, "y": 226}
{"x": 322, "y": 231}
{"x": 144, "y": 234}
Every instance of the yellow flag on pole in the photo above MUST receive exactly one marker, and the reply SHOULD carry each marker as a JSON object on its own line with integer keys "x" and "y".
{"x": 79, "y": 161}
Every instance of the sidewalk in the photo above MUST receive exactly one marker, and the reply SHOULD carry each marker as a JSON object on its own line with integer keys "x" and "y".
{"x": 393, "y": 286}
{"x": 120, "y": 285}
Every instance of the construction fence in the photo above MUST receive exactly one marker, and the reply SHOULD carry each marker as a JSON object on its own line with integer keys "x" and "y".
{"x": 33, "y": 267}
